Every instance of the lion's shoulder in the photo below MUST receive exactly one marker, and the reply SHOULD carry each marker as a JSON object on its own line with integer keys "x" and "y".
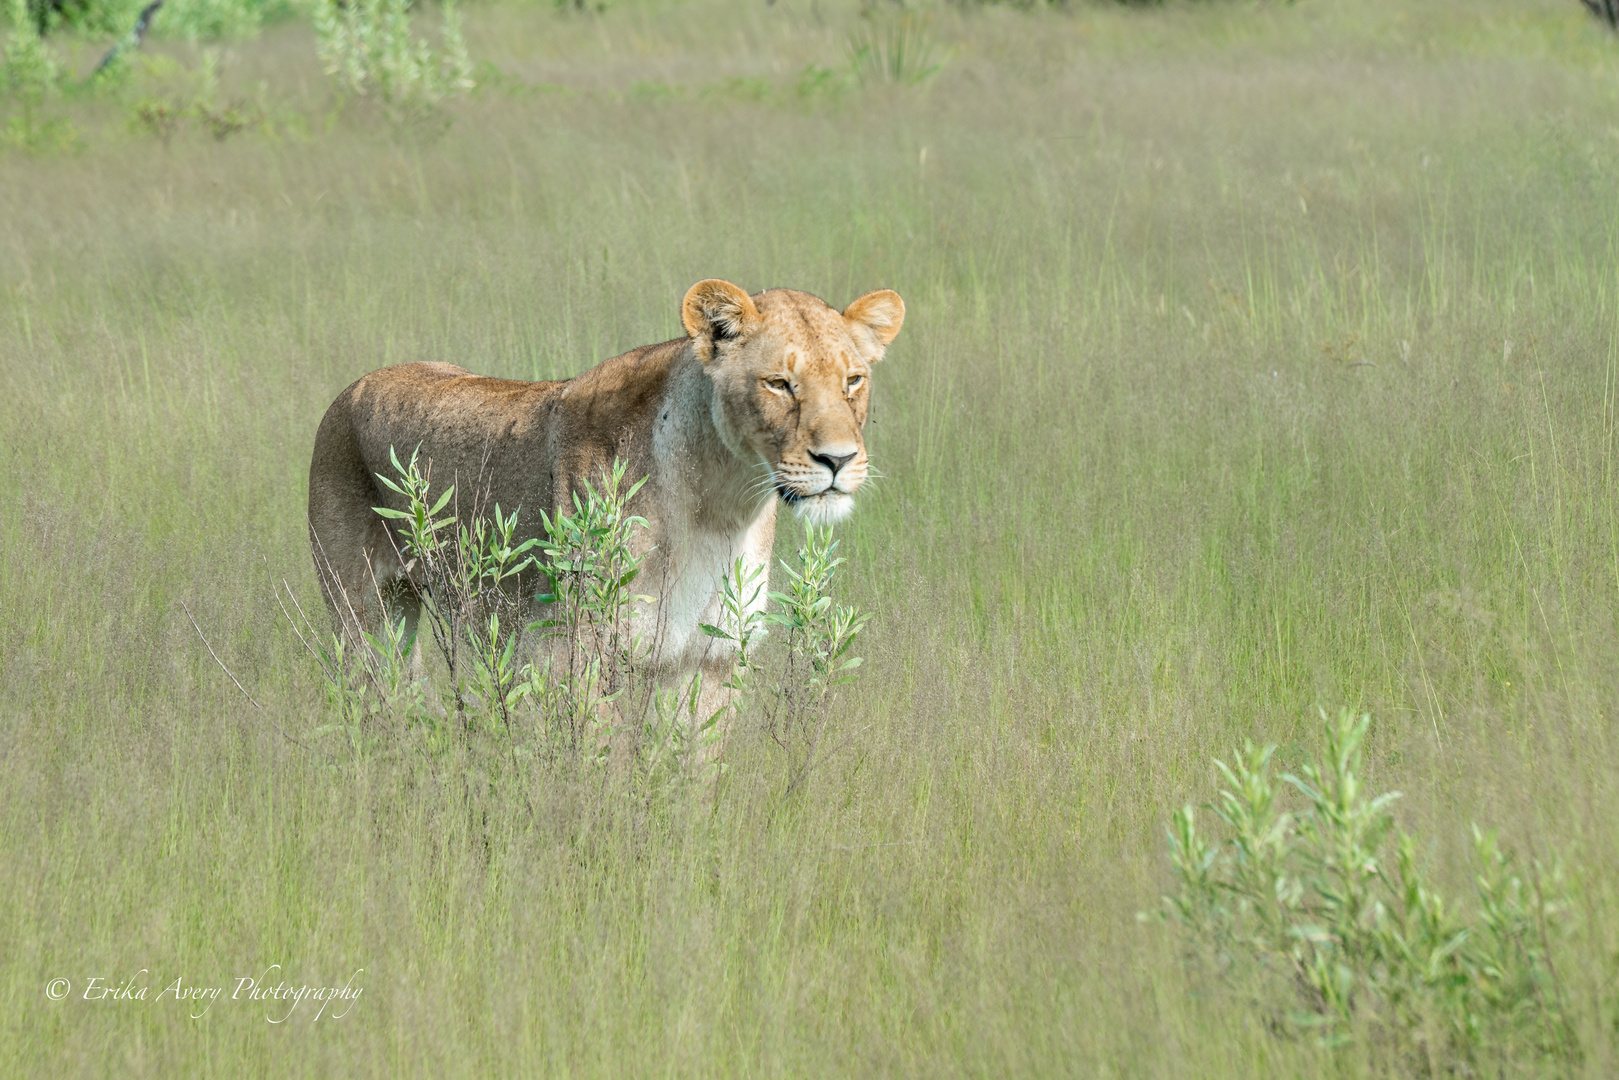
{"x": 628, "y": 386}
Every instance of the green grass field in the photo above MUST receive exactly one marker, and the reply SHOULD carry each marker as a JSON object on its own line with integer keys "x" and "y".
{"x": 1257, "y": 358}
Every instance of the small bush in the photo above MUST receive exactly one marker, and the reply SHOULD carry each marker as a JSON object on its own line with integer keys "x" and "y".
{"x": 177, "y": 96}
{"x": 208, "y": 20}
{"x": 578, "y": 686}
{"x": 368, "y": 46}
{"x": 792, "y": 697}
{"x": 588, "y": 561}
{"x": 1325, "y": 913}
{"x": 85, "y": 16}
{"x": 193, "y": 20}
{"x": 31, "y": 77}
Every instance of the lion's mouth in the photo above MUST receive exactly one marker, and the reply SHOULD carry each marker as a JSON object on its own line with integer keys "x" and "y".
{"x": 793, "y": 498}
{"x": 825, "y": 507}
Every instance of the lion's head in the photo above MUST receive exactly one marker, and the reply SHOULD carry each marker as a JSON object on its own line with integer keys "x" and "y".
{"x": 793, "y": 377}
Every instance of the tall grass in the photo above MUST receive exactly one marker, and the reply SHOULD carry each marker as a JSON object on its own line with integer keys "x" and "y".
{"x": 1255, "y": 359}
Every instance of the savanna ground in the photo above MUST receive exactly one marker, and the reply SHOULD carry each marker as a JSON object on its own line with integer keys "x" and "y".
{"x": 1257, "y": 358}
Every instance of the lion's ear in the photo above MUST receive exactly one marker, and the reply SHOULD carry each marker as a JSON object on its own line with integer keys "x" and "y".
{"x": 877, "y": 316}
{"x": 716, "y": 310}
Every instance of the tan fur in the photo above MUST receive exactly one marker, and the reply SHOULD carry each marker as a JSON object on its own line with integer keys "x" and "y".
{"x": 759, "y": 402}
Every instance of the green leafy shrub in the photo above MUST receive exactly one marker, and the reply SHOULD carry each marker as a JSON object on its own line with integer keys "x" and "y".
{"x": 792, "y": 696}
{"x": 459, "y": 583}
{"x": 192, "y": 20}
{"x": 589, "y": 564}
{"x": 1326, "y": 915}
{"x": 576, "y": 686}
{"x": 208, "y": 20}
{"x": 569, "y": 688}
{"x": 369, "y": 47}
{"x": 85, "y": 16}
{"x": 31, "y": 77}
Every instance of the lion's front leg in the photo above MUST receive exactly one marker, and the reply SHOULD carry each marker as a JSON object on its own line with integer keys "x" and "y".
{"x": 737, "y": 612}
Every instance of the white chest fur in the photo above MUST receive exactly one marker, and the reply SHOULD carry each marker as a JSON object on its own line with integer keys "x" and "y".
{"x": 686, "y": 578}
{"x": 713, "y": 506}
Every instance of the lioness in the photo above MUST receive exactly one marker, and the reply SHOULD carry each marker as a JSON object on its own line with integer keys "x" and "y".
{"x": 765, "y": 398}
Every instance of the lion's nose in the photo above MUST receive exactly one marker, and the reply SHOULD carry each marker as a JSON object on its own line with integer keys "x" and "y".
{"x": 833, "y": 462}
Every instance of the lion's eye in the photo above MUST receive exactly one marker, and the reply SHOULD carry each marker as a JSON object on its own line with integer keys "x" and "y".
{"x": 780, "y": 386}
{"x": 854, "y": 383}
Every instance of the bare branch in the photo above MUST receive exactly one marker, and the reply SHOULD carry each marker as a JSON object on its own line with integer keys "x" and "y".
{"x": 136, "y": 35}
